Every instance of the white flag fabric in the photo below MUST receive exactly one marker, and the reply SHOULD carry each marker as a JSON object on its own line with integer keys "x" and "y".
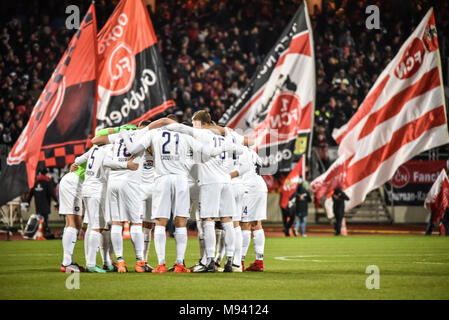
{"x": 402, "y": 116}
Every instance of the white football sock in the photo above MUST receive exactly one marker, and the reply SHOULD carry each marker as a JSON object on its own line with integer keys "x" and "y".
{"x": 146, "y": 243}
{"x": 209, "y": 238}
{"x": 238, "y": 246}
{"x": 259, "y": 243}
{"x": 229, "y": 238}
{"x": 105, "y": 247}
{"x": 160, "y": 238}
{"x": 75, "y": 239}
{"x": 181, "y": 244}
{"x": 68, "y": 244}
{"x": 94, "y": 242}
{"x": 86, "y": 243}
{"x": 246, "y": 240}
{"x": 200, "y": 227}
{"x": 117, "y": 240}
{"x": 137, "y": 240}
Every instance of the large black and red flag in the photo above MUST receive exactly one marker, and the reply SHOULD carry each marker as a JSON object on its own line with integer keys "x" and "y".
{"x": 132, "y": 81}
{"x": 277, "y": 106}
{"x": 62, "y": 118}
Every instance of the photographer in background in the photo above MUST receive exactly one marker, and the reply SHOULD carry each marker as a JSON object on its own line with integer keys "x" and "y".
{"x": 302, "y": 205}
{"x": 43, "y": 192}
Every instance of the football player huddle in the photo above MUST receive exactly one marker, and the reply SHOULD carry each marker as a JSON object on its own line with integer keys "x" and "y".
{"x": 147, "y": 174}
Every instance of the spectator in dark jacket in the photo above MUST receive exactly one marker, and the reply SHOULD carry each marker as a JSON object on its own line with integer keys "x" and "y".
{"x": 43, "y": 192}
{"x": 339, "y": 198}
{"x": 302, "y": 200}
{"x": 444, "y": 221}
{"x": 288, "y": 215}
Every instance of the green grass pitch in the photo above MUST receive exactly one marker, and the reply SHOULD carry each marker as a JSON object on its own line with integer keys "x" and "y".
{"x": 410, "y": 267}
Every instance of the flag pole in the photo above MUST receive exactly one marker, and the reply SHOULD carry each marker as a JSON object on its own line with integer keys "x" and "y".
{"x": 94, "y": 120}
{"x": 312, "y": 50}
{"x": 440, "y": 67}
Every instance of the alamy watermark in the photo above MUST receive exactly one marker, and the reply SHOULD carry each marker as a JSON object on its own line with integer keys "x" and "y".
{"x": 73, "y": 281}
{"x": 73, "y": 20}
{"x": 373, "y": 20}
{"x": 373, "y": 281}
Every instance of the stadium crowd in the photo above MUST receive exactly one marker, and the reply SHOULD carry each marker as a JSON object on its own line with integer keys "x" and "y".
{"x": 211, "y": 50}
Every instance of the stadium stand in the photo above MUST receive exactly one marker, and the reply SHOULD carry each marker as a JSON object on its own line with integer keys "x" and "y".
{"x": 212, "y": 48}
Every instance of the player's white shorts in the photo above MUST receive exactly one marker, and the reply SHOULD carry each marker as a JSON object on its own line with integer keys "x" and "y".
{"x": 147, "y": 197}
{"x": 124, "y": 201}
{"x": 171, "y": 194}
{"x": 254, "y": 207}
{"x": 238, "y": 191}
{"x": 216, "y": 200}
{"x": 70, "y": 201}
{"x": 95, "y": 212}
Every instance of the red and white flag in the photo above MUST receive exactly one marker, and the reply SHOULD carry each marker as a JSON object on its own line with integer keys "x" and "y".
{"x": 437, "y": 199}
{"x": 402, "y": 116}
{"x": 276, "y": 108}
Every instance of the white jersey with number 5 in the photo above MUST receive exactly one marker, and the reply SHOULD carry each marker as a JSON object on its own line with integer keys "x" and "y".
{"x": 96, "y": 174}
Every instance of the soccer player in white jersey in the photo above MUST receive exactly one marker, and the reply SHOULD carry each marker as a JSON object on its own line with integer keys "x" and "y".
{"x": 147, "y": 195}
{"x": 238, "y": 190}
{"x": 254, "y": 204}
{"x": 216, "y": 199}
{"x": 98, "y": 158}
{"x": 70, "y": 205}
{"x": 171, "y": 192}
{"x": 124, "y": 201}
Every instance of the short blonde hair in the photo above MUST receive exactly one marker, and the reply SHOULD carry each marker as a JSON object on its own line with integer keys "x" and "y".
{"x": 202, "y": 116}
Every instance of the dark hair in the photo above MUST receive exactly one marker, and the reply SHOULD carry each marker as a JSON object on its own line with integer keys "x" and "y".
{"x": 144, "y": 123}
{"x": 173, "y": 117}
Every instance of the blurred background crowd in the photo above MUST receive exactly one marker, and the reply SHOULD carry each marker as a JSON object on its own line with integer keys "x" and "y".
{"x": 212, "y": 48}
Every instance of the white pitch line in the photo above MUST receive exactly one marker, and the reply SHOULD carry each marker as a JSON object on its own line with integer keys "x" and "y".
{"x": 303, "y": 258}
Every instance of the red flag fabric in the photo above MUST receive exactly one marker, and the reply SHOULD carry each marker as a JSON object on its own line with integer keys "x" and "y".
{"x": 132, "y": 81}
{"x": 291, "y": 183}
{"x": 73, "y": 115}
{"x": 402, "y": 116}
{"x": 68, "y": 98}
{"x": 437, "y": 200}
